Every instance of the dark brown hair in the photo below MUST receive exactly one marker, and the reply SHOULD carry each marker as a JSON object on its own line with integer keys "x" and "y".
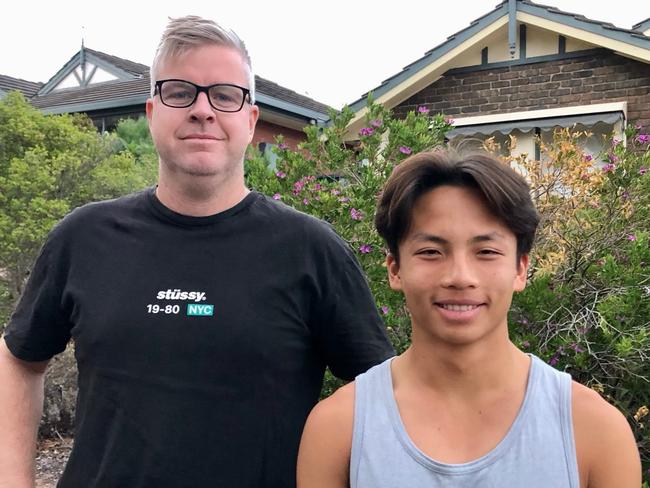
{"x": 505, "y": 192}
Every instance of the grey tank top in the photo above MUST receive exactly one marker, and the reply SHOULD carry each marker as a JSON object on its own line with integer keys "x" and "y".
{"x": 537, "y": 452}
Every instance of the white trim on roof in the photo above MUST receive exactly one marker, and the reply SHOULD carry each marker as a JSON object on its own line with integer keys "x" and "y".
{"x": 615, "y": 45}
{"x": 424, "y": 77}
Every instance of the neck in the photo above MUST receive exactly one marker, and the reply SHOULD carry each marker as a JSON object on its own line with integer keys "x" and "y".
{"x": 463, "y": 370}
{"x": 199, "y": 200}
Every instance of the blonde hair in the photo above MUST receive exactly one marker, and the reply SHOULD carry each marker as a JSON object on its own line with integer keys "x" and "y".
{"x": 185, "y": 33}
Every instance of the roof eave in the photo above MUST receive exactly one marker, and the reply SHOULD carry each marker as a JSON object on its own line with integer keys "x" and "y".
{"x": 604, "y": 35}
{"x": 101, "y": 105}
{"x": 291, "y": 108}
{"x": 434, "y": 54}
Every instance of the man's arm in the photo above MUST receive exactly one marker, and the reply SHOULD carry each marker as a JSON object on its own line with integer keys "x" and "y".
{"x": 21, "y": 404}
{"x": 605, "y": 446}
{"x": 324, "y": 457}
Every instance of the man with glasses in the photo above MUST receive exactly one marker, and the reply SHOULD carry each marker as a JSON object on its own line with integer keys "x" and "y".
{"x": 203, "y": 314}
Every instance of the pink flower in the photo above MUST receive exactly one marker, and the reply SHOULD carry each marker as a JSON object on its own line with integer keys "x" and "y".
{"x": 376, "y": 123}
{"x": 365, "y": 248}
{"x": 405, "y": 150}
{"x": 587, "y": 157}
{"x": 366, "y": 131}
{"x": 277, "y": 196}
{"x": 643, "y": 170}
{"x": 317, "y": 187}
{"x": 423, "y": 109}
{"x": 554, "y": 360}
{"x": 305, "y": 201}
{"x": 356, "y": 214}
{"x": 630, "y": 237}
{"x": 344, "y": 199}
{"x": 616, "y": 142}
{"x": 283, "y": 146}
{"x": 280, "y": 174}
{"x": 334, "y": 191}
{"x": 643, "y": 138}
{"x": 449, "y": 121}
{"x": 298, "y": 186}
{"x": 608, "y": 168}
{"x": 384, "y": 309}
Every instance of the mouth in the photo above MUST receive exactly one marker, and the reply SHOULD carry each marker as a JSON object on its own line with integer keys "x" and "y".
{"x": 457, "y": 308}
{"x": 200, "y": 137}
{"x": 459, "y": 311}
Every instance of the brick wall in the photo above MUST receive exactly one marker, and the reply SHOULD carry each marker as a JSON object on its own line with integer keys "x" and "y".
{"x": 600, "y": 78}
{"x": 266, "y": 132}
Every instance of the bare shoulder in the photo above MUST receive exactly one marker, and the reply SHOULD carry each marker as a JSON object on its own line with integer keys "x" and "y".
{"x": 605, "y": 446}
{"x": 324, "y": 456}
{"x": 332, "y": 418}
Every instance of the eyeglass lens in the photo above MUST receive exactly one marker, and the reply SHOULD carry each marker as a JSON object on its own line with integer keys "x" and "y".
{"x": 183, "y": 94}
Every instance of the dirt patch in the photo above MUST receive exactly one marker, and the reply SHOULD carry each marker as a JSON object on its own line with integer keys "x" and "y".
{"x": 51, "y": 457}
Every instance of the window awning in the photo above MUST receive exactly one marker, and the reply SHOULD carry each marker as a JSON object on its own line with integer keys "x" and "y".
{"x": 528, "y": 125}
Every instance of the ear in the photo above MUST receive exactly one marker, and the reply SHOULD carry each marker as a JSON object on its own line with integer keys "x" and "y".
{"x": 393, "y": 272}
{"x": 522, "y": 273}
{"x": 149, "y": 108}
{"x": 253, "y": 115}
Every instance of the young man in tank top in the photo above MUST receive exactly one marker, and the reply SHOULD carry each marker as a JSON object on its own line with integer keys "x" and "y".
{"x": 462, "y": 406}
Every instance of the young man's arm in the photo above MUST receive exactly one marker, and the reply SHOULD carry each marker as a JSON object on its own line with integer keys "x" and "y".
{"x": 21, "y": 404}
{"x": 324, "y": 457}
{"x": 606, "y": 448}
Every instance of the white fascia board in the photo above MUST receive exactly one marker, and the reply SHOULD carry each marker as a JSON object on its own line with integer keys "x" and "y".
{"x": 542, "y": 114}
{"x": 599, "y": 40}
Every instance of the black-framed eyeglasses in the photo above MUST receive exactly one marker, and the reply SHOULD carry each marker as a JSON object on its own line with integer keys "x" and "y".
{"x": 223, "y": 97}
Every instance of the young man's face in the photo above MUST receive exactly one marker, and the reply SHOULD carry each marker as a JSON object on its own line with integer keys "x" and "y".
{"x": 199, "y": 140}
{"x": 457, "y": 268}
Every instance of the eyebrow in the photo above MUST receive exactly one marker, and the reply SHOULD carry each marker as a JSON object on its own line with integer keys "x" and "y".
{"x": 424, "y": 237}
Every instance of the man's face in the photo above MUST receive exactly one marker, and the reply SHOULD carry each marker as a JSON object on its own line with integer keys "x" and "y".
{"x": 457, "y": 269}
{"x": 200, "y": 141}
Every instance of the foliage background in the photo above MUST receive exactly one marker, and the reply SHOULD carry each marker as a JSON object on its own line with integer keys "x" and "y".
{"x": 586, "y": 308}
{"x": 48, "y": 166}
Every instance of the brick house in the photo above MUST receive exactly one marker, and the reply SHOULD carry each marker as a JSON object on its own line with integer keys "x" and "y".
{"x": 108, "y": 88}
{"x": 524, "y": 69}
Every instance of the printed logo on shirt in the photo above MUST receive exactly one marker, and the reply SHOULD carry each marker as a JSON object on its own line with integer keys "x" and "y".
{"x": 197, "y": 296}
{"x": 200, "y": 310}
{"x": 195, "y": 309}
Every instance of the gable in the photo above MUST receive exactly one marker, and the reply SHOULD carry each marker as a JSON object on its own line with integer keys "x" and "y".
{"x": 516, "y": 32}
{"x": 88, "y": 67}
{"x": 83, "y": 76}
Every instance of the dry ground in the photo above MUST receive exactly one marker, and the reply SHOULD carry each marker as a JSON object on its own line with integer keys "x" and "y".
{"x": 50, "y": 461}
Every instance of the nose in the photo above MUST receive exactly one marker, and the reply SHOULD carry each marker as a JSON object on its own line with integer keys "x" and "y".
{"x": 458, "y": 273}
{"x": 201, "y": 110}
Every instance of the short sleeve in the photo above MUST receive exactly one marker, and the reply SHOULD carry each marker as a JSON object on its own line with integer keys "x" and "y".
{"x": 40, "y": 325}
{"x": 349, "y": 331}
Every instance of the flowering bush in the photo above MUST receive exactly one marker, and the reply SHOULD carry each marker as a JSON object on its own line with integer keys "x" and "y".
{"x": 586, "y": 309}
{"x": 587, "y": 304}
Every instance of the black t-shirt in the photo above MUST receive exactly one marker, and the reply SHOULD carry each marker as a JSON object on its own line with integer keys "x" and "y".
{"x": 201, "y": 341}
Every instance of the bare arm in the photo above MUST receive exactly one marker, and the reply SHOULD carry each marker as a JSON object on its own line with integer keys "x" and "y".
{"x": 324, "y": 457}
{"x": 605, "y": 446}
{"x": 21, "y": 404}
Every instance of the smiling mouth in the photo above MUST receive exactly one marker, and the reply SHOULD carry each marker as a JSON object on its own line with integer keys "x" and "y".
{"x": 458, "y": 308}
